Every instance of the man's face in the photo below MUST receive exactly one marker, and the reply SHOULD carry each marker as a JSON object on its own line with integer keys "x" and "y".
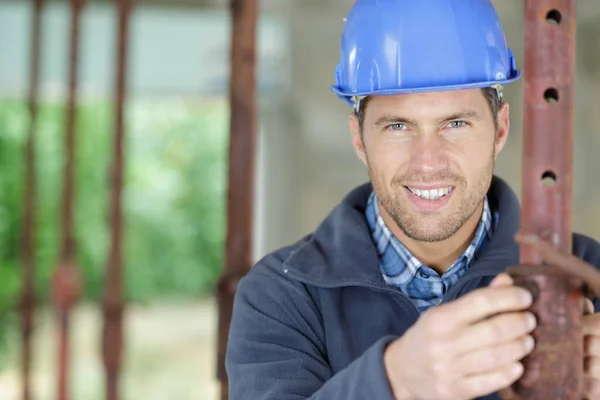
{"x": 430, "y": 157}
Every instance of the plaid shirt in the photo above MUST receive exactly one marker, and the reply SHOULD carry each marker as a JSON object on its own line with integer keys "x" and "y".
{"x": 401, "y": 269}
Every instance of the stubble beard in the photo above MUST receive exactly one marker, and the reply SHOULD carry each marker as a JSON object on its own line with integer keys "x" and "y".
{"x": 434, "y": 226}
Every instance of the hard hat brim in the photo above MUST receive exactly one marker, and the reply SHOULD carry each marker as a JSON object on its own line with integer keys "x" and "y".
{"x": 348, "y": 97}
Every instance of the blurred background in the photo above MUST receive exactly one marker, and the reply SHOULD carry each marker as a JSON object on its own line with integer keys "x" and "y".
{"x": 177, "y": 136}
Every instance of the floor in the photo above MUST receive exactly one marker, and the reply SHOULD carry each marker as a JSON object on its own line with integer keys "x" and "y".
{"x": 170, "y": 354}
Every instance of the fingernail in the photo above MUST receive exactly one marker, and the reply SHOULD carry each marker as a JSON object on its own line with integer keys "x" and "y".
{"x": 529, "y": 343}
{"x": 517, "y": 369}
{"x": 527, "y": 297}
{"x": 531, "y": 322}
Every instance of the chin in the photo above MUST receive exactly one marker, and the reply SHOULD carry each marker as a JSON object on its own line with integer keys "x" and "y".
{"x": 427, "y": 235}
{"x": 427, "y": 226}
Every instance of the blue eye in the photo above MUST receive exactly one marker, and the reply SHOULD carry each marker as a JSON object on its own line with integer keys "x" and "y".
{"x": 397, "y": 127}
{"x": 457, "y": 124}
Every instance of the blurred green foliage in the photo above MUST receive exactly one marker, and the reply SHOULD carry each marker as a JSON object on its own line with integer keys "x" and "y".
{"x": 174, "y": 198}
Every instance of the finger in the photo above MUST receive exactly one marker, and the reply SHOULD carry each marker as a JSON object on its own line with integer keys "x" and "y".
{"x": 592, "y": 367}
{"x": 503, "y": 279}
{"x": 591, "y": 346}
{"x": 591, "y": 325}
{"x": 483, "y": 384}
{"x": 494, "y": 357}
{"x": 588, "y": 306}
{"x": 494, "y": 331}
{"x": 568, "y": 263}
{"x": 483, "y": 303}
{"x": 592, "y": 388}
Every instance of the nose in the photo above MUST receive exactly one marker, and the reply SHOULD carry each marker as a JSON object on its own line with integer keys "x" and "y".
{"x": 428, "y": 154}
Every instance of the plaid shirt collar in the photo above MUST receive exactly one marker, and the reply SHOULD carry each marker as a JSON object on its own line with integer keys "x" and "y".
{"x": 402, "y": 269}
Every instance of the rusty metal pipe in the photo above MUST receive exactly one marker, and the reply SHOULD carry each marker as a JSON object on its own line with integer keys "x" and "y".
{"x": 69, "y": 187}
{"x": 112, "y": 337}
{"x": 28, "y": 299}
{"x": 238, "y": 252}
{"x": 548, "y": 123}
{"x": 554, "y": 370}
{"x": 67, "y": 279}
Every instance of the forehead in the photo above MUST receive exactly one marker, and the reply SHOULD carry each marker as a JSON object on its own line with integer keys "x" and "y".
{"x": 431, "y": 105}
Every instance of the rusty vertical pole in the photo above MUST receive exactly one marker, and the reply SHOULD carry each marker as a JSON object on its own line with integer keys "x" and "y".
{"x": 548, "y": 122}
{"x": 66, "y": 280}
{"x": 28, "y": 299}
{"x": 238, "y": 252}
{"x": 555, "y": 369}
{"x": 112, "y": 337}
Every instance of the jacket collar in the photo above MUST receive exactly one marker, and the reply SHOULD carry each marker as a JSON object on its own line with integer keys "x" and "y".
{"x": 341, "y": 251}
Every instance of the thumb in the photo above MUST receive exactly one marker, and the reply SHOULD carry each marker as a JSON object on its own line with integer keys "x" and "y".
{"x": 503, "y": 279}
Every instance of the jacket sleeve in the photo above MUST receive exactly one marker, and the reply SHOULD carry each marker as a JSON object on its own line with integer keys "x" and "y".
{"x": 276, "y": 347}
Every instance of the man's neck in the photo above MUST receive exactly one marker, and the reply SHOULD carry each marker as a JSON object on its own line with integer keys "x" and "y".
{"x": 438, "y": 256}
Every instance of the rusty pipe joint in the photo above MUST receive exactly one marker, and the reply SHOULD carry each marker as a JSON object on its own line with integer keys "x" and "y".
{"x": 554, "y": 369}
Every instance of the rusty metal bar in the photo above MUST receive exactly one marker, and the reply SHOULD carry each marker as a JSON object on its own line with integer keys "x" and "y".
{"x": 112, "y": 337}
{"x": 67, "y": 280}
{"x": 555, "y": 368}
{"x": 68, "y": 193}
{"x": 238, "y": 252}
{"x": 548, "y": 122}
{"x": 28, "y": 299}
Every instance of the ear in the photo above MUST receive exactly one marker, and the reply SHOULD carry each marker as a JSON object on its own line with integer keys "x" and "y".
{"x": 357, "y": 139}
{"x": 503, "y": 128}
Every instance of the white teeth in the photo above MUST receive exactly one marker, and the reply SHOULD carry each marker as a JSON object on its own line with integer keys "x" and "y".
{"x": 432, "y": 194}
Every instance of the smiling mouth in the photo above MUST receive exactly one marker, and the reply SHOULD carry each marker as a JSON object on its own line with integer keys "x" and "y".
{"x": 431, "y": 194}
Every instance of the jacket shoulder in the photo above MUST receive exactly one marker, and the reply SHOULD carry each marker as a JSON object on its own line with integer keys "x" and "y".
{"x": 587, "y": 249}
{"x": 273, "y": 263}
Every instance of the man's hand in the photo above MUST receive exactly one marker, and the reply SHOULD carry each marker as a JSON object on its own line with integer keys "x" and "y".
{"x": 591, "y": 321}
{"x": 467, "y": 348}
{"x": 591, "y": 349}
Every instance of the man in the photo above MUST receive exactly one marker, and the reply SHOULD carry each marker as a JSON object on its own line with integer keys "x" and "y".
{"x": 400, "y": 292}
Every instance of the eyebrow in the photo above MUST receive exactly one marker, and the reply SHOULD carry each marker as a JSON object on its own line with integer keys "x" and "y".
{"x": 397, "y": 119}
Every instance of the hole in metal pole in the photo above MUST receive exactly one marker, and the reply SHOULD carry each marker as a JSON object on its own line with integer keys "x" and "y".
{"x": 553, "y": 17}
{"x": 551, "y": 95}
{"x": 548, "y": 179}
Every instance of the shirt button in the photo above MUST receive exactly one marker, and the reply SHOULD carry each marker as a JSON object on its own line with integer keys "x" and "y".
{"x": 424, "y": 275}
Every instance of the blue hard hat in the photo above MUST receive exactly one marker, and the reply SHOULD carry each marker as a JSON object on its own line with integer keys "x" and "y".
{"x": 403, "y": 46}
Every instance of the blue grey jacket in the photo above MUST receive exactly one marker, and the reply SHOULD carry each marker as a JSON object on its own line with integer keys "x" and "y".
{"x": 311, "y": 321}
